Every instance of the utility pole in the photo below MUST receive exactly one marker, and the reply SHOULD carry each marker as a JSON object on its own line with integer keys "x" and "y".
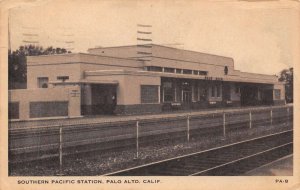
{"x": 144, "y": 42}
{"x": 9, "y": 40}
{"x": 30, "y": 36}
{"x": 66, "y": 39}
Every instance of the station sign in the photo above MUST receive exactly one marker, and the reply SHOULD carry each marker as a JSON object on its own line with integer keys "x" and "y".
{"x": 75, "y": 93}
{"x": 213, "y": 78}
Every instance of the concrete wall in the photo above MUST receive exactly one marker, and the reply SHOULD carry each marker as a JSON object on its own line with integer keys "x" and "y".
{"x": 128, "y": 90}
{"x": 255, "y": 76}
{"x": 133, "y": 87}
{"x": 52, "y": 71}
{"x": 95, "y": 62}
{"x": 166, "y": 52}
{"x": 129, "y": 73}
{"x": 163, "y": 56}
{"x": 69, "y": 94}
{"x": 73, "y": 65}
{"x": 121, "y": 51}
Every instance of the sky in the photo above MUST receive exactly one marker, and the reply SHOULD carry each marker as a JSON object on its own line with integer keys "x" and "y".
{"x": 261, "y": 37}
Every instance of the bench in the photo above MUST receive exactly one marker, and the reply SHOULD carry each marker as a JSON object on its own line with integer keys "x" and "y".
{"x": 175, "y": 105}
{"x": 212, "y": 102}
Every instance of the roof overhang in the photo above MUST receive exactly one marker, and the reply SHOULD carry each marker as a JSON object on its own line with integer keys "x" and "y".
{"x": 228, "y": 78}
{"x": 85, "y": 81}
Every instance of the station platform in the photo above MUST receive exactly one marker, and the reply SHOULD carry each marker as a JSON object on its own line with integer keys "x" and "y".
{"x": 46, "y": 122}
{"x": 280, "y": 167}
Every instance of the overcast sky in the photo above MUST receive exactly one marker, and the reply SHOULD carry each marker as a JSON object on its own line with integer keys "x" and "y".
{"x": 261, "y": 37}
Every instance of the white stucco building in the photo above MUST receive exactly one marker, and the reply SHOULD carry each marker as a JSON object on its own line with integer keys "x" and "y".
{"x": 135, "y": 80}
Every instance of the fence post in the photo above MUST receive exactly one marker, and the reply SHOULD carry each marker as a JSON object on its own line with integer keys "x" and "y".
{"x": 60, "y": 149}
{"x": 250, "y": 119}
{"x": 224, "y": 127}
{"x": 271, "y": 115}
{"x": 137, "y": 139}
{"x": 288, "y": 116}
{"x": 188, "y": 128}
{"x": 39, "y": 143}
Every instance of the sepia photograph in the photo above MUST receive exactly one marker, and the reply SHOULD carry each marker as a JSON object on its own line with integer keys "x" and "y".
{"x": 108, "y": 93}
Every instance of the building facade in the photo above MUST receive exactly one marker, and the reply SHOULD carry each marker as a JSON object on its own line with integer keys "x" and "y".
{"x": 136, "y": 80}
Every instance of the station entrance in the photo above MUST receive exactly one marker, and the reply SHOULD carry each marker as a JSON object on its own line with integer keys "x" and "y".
{"x": 186, "y": 92}
{"x": 99, "y": 99}
{"x": 104, "y": 99}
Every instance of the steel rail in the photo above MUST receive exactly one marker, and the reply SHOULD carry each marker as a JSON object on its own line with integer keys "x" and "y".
{"x": 195, "y": 153}
{"x": 234, "y": 161}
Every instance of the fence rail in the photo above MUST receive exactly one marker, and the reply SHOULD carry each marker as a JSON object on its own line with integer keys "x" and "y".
{"x": 59, "y": 141}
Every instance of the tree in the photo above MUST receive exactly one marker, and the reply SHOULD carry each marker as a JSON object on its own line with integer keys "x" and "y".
{"x": 287, "y": 76}
{"x": 17, "y": 67}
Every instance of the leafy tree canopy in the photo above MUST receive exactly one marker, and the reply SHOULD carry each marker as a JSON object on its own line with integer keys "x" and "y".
{"x": 17, "y": 67}
{"x": 287, "y": 76}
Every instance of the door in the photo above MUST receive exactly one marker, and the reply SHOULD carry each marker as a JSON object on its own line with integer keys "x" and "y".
{"x": 187, "y": 96}
{"x": 226, "y": 92}
{"x": 104, "y": 99}
{"x": 186, "y": 92}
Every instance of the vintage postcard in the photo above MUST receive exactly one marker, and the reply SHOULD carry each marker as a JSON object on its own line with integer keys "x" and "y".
{"x": 166, "y": 94}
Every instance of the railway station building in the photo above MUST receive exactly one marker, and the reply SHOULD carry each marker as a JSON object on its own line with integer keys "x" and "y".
{"x": 137, "y": 80}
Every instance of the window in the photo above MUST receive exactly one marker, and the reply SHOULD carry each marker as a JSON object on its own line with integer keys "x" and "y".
{"x": 212, "y": 91}
{"x": 203, "y": 72}
{"x": 168, "y": 92}
{"x": 43, "y": 82}
{"x": 218, "y": 90}
{"x": 196, "y": 72}
{"x": 149, "y": 94}
{"x": 48, "y": 109}
{"x": 167, "y": 84}
{"x": 169, "y": 70}
{"x": 187, "y": 71}
{"x": 178, "y": 71}
{"x": 62, "y": 78}
{"x": 196, "y": 93}
{"x": 186, "y": 86}
{"x": 237, "y": 89}
{"x": 277, "y": 94}
{"x": 154, "y": 68}
{"x": 203, "y": 93}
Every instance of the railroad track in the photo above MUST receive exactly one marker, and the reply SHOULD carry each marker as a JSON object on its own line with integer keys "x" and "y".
{"x": 229, "y": 160}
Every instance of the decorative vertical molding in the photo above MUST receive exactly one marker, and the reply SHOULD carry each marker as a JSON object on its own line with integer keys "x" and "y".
{"x": 159, "y": 94}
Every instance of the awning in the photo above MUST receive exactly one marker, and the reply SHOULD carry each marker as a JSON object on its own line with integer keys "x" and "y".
{"x": 84, "y": 81}
{"x": 113, "y": 82}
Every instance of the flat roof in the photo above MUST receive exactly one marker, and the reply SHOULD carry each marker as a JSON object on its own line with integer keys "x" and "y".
{"x": 229, "y": 78}
{"x": 124, "y": 46}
